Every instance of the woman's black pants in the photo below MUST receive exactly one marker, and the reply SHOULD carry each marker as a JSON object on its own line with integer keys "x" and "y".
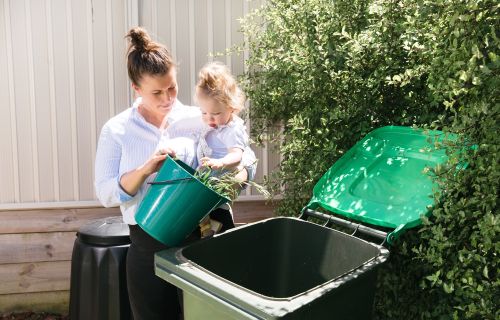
{"x": 151, "y": 297}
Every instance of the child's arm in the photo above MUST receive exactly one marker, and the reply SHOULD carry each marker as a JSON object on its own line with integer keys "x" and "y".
{"x": 230, "y": 160}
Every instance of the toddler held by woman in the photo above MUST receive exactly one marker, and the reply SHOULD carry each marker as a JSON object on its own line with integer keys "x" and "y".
{"x": 225, "y": 138}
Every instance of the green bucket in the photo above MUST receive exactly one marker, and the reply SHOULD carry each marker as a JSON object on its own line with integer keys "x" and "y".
{"x": 175, "y": 203}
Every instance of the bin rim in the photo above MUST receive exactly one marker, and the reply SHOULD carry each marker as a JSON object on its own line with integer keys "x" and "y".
{"x": 109, "y": 231}
{"x": 235, "y": 293}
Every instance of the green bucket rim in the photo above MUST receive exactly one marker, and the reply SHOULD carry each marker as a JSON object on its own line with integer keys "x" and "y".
{"x": 190, "y": 172}
{"x": 182, "y": 174}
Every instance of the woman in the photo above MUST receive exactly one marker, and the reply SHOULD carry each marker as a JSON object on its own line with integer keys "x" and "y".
{"x": 132, "y": 147}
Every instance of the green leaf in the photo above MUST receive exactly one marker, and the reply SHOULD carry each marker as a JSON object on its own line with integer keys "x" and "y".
{"x": 448, "y": 288}
{"x": 485, "y": 272}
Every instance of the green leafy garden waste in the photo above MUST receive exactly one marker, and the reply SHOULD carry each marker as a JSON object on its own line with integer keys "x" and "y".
{"x": 226, "y": 184}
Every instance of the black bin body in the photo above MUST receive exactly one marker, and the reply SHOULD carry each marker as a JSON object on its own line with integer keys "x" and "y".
{"x": 280, "y": 268}
{"x": 98, "y": 288}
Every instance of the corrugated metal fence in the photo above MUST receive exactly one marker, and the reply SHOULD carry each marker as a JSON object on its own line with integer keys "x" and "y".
{"x": 63, "y": 74}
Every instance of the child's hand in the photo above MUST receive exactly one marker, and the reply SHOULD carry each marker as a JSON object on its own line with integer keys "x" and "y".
{"x": 215, "y": 164}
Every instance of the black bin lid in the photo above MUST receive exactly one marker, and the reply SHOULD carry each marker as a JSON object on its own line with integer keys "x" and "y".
{"x": 105, "y": 232}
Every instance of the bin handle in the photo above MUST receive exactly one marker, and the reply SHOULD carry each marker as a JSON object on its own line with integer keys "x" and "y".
{"x": 327, "y": 223}
{"x": 169, "y": 181}
{"x": 381, "y": 235}
{"x": 356, "y": 230}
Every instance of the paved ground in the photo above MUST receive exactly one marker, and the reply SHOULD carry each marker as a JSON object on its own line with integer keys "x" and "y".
{"x": 32, "y": 316}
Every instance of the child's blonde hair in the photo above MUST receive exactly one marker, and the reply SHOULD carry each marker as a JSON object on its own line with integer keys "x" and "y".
{"x": 215, "y": 81}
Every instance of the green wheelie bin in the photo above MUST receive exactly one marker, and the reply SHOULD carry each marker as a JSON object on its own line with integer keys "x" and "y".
{"x": 292, "y": 268}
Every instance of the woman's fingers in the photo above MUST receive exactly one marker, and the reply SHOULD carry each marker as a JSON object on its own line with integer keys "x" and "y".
{"x": 154, "y": 163}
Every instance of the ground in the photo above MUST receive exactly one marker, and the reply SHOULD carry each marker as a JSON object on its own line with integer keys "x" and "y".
{"x": 32, "y": 316}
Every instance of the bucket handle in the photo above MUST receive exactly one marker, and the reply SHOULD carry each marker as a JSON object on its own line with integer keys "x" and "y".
{"x": 163, "y": 182}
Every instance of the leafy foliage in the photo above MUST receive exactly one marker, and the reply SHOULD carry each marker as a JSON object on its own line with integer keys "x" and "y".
{"x": 324, "y": 73}
{"x": 329, "y": 72}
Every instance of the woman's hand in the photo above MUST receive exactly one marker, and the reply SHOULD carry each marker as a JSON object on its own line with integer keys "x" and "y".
{"x": 133, "y": 180}
{"x": 154, "y": 163}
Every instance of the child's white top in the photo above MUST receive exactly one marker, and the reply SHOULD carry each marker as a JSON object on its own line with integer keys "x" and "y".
{"x": 215, "y": 142}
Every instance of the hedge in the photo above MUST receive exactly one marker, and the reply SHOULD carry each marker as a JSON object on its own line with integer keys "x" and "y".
{"x": 323, "y": 73}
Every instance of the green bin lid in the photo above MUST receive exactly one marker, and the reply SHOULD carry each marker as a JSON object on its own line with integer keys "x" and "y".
{"x": 382, "y": 179}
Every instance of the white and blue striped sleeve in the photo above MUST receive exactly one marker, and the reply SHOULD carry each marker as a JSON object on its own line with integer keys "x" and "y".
{"x": 107, "y": 166}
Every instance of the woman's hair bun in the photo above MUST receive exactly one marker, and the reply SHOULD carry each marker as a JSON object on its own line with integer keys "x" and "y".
{"x": 145, "y": 56}
{"x": 139, "y": 39}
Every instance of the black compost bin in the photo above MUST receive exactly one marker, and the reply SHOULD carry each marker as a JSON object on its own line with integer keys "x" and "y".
{"x": 281, "y": 268}
{"x": 98, "y": 289}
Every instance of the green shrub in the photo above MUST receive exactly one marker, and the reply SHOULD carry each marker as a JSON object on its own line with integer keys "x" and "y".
{"x": 324, "y": 73}
{"x": 329, "y": 72}
{"x": 460, "y": 244}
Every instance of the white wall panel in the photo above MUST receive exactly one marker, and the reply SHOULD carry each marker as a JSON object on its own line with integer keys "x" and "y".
{"x": 65, "y": 101}
{"x": 41, "y": 104}
{"x": 117, "y": 47}
{"x": 22, "y": 99}
{"x": 52, "y": 105}
{"x": 64, "y": 68}
{"x": 201, "y": 36}
{"x": 218, "y": 29}
{"x": 237, "y": 12}
{"x": 63, "y": 75}
{"x": 102, "y": 60}
{"x": 9, "y": 192}
{"x": 84, "y": 93}
{"x": 182, "y": 49}
{"x": 162, "y": 30}
{"x": 198, "y": 29}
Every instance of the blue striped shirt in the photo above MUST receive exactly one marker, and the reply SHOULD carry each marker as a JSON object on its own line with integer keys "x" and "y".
{"x": 127, "y": 140}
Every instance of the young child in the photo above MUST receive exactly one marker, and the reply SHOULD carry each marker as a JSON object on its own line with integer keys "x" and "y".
{"x": 222, "y": 142}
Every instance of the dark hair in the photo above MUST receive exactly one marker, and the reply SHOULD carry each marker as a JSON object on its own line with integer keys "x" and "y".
{"x": 144, "y": 56}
